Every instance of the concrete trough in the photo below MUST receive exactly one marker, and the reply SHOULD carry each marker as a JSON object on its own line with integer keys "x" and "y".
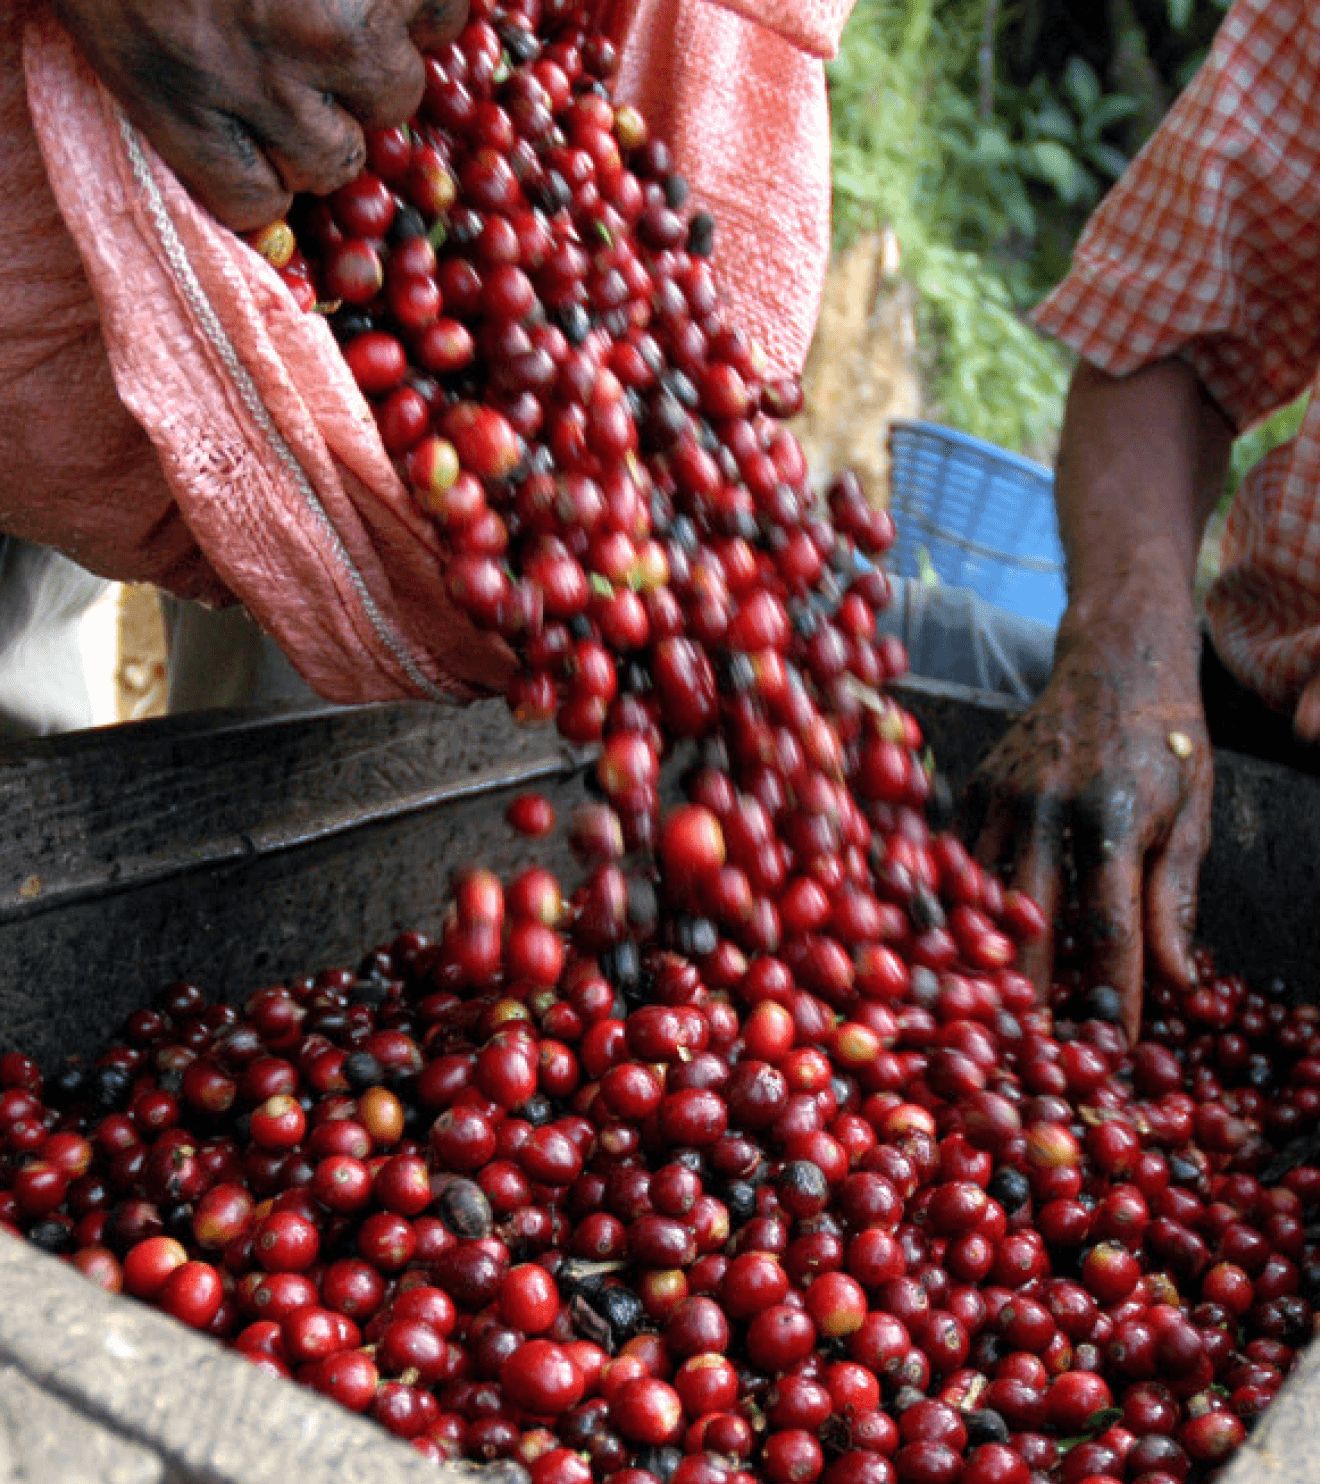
{"x": 236, "y": 850}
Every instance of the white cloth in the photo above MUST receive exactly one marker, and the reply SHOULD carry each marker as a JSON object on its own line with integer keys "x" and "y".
{"x": 43, "y": 599}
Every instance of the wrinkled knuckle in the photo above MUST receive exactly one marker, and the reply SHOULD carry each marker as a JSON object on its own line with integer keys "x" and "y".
{"x": 326, "y": 177}
{"x": 308, "y": 174}
{"x": 1105, "y": 818}
{"x": 353, "y": 153}
{"x": 395, "y": 93}
{"x": 324, "y": 154}
{"x": 340, "y": 31}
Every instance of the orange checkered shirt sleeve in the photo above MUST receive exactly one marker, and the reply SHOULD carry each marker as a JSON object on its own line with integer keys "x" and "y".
{"x": 1209, "y": 248}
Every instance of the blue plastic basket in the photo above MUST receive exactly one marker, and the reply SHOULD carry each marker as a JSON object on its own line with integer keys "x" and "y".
{"x": 984, "y": 518}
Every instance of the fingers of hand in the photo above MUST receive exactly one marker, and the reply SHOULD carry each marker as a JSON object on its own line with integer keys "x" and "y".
{"x": 218, "y": 160}
{"x": 357, "y": 51}
{"x": 378, "y": 74}
{"x": 1111, "y": 826}
{"x": 1021, "y": 838}
{"x": 1109, "y": 920}
{"x": 1039, "y": 874}
{"x": 984, "y": 827}
{"x": 249, "y": 112}
{"x": 1173, "y": 870}
{"x": 1006, "y": 807}
{"x": 314, "y": 144}
{"x": 183, "y": 91}
{"x": 1130, "y": 1014}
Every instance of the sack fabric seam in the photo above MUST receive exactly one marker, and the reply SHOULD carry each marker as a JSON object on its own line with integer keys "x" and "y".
{"x": 192, "y": 290}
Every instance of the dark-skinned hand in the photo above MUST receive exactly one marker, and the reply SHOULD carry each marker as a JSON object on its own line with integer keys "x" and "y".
{"x": 249, "y": 101}
{"x": 1097, "y": 803}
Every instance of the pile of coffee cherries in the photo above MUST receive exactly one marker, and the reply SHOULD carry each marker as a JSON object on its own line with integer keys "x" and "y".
{"x": 546, "y": 1192}
{"x": 746, "y": 1157}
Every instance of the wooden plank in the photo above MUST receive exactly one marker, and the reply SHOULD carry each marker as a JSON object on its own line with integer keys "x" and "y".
{"x": 242, "y": 852}
{"x": 105, "y": 811}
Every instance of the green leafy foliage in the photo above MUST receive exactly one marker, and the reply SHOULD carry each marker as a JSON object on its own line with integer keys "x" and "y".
{"x": 987, "y": 209}
{"x": 1183, "y": 18}
{"x": 1063, "y": 132}
{"x": 987, "y": 203}
{"x": 1263, "y": 439}
{"x": 910, "y": 150}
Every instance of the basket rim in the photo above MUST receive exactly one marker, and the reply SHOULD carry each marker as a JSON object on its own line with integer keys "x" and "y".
{"x": 919, "y": 431}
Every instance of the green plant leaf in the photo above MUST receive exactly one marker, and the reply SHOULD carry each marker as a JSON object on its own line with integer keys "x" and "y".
{"x": 1112, "y": 109}
{"x": 1081, "y": 84}
{"x": 1056, "y": 165}
{"x": 1021, "y": 214}
{"x": 993, "y": 147}
{"x": 852, "y": 177}
{"x": 1054, "y": 121}
{"x": 1188, "y": 70}
{"x": 1264, "y": 438}
{"x": 1180, "y": 12}
{"x": 968, "y": 202}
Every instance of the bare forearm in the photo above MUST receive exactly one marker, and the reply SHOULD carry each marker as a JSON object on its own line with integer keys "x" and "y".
{"x": 1142, "y": 464}
{"x": 1111, "y": 769}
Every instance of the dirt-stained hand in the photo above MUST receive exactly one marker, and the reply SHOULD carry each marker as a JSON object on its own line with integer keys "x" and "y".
{"x": 1097, "y": 803}
{"x": 250, "y": 101}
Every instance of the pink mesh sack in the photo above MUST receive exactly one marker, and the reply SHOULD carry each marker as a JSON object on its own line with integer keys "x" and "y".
{"x": 169, "y": 414}
{"x": 737, "y": 89}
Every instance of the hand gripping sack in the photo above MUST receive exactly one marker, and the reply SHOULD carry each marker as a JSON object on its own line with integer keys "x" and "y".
{"x": 169, "y": 414}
